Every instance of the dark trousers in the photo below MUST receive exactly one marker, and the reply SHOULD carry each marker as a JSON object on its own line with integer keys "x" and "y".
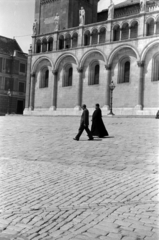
{"x": 81, "y": 129}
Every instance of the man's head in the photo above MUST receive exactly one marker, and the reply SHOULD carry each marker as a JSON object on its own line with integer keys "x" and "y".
{"x": 97, "y": 105}
{"x": 83, "y": 106}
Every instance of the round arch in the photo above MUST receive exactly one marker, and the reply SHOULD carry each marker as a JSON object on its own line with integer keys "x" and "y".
{"x": 58, "y": 61}
{"x": 90, "y": 52}
{"x": 36, "y": 63}
{"x": 124, "y": 23}
{"x": 147, "y": 48}
{"x": 117, "y": 49}
{"x": 101, "y": 27}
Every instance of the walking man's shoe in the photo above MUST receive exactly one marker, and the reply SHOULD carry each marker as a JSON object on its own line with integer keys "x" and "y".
{"x": 76, "y": 139}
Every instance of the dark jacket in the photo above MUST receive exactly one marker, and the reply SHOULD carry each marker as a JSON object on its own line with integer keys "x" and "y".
{"x": 85, "y": 117}
{"x": 98, "y": 128}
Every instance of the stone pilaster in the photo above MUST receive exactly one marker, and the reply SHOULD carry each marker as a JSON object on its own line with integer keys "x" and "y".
{"x": 109, "y": 32}
{"x": 32, "y": 91}
{"x": 80, "y": 86}
{"x": 55, "y": 42}
{"x": 80, "y": 37}
{"x": 54, "y": 91}
{"x": 140, "y": 86}
{"x": 28, "y": 81}
{"x": 107, "y": 91}
{"x": 155, "y": 28}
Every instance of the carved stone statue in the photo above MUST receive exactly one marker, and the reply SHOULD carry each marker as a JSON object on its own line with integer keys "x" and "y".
{"x": 56, "y": 21}
{"x": 81, "y": 16}
{"x": 111, "y": 10}
{"x": 35, "y": 27}
{"x": 142, "y": 5}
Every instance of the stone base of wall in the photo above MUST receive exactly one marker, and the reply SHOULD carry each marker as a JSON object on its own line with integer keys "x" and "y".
{"x": 75, "y": 112}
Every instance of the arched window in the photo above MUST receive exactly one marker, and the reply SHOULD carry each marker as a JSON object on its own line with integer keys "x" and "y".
{"x": 61, "y": 42}
{"x": 94, "y": 36}
{"x": 102, "y": 35}
{"x": 150, "y": 27}
{"x": 134, "y": 30}
{"x": 44, "y": 45}
{"x": 68, "y": 41}
{"x": 124, "y": 70}
{"x": 50, "y": 43}
{"x": 67, "y": 76}
{"x": 125, "y": 31}
{"x": 116, "y": 33}
{"x": 87, "y": 38}
{"x": 75, "y": 40}
{"x": 44, "y": 78}
{"x": 38, "y": 46}
{"x": 155, "y": 68}
{"x": 94, "y": 71}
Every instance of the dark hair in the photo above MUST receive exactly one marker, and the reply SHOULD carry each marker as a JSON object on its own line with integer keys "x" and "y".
{"x": 97, "y": 104}
{"x": 84, "y": 105}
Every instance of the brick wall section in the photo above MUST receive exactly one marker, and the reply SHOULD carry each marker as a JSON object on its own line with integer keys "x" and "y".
{"x": 68, "y": 11}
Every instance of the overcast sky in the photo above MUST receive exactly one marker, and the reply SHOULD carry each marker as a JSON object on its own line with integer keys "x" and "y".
{"x": 17, "y": 16}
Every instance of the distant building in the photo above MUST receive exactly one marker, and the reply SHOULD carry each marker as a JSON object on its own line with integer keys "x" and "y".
{"x": 13, "y": 68}
{"x": 77, "y": 52}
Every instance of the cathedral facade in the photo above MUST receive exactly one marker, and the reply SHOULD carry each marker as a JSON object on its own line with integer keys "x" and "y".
{"x": 77, "y": 52}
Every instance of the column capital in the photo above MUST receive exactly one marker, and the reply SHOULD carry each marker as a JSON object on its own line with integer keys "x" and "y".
{"x": 108, "y": 67}
{"x": 79, "y": 69}
{"x": 55, "y": 72}
{"x": 140, "y": 63}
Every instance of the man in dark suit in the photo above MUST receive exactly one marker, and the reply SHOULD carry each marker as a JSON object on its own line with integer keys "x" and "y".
{"x": 84, "y": 124}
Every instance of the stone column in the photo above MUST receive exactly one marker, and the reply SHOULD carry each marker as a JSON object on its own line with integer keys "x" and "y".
{"x": 120, "y": 34}
{"x": 91, "y": 38}
{"x": 32, "y": 90}
{"x": 71, "y": 42}
{"x": 129, "y": 33}
{"x": 80, "y": 86}
{"x": 155, "y": 28}
{"x": 54, "y": 91}
{"x": 107, "y": 90}
{"x": 41, "y": 47}
{"x": 146, "y": 30}
{"x": 47, "y": 49}
{"x": 140, "y": 86}
{"x": 98, "y": 38}
{"x": 28, "y": 81}
{"x": 64, "y": 43}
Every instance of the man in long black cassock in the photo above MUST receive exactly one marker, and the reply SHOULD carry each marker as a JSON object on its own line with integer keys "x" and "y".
{"x": 98, "y": 128}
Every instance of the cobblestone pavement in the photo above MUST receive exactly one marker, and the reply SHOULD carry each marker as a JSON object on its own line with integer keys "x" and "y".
{"x": 52, "y": 187}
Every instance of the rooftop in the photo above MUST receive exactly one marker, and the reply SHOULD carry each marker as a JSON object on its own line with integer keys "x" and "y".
{"x": 9, "y": 45}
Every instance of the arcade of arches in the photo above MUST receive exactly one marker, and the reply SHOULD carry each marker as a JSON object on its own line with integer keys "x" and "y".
{"x": 70, "y": 84}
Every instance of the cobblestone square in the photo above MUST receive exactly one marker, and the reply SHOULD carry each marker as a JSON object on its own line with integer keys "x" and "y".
{"x": 52, "y": 187}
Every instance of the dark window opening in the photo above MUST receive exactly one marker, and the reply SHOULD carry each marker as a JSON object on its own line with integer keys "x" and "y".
{"x": 22, "y": 67}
